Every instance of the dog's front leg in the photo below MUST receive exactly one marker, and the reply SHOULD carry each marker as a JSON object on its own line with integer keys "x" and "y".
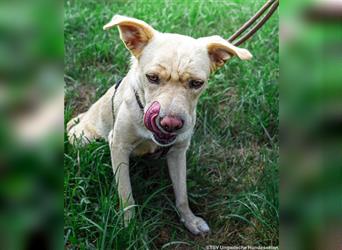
{"x": 120, "y": 163}
{"x": 176, "y": 160}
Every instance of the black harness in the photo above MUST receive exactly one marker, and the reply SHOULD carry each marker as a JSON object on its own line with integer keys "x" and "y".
{"x": 161, "y": 151}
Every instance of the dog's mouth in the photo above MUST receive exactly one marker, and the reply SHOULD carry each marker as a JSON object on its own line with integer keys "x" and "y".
{"x": 151, "y": 120}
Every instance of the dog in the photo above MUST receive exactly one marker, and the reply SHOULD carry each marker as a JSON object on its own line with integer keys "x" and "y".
{"x": 154, "y": 106}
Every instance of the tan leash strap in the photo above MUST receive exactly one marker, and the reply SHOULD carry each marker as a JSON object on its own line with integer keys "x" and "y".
{"x": 272, "y": 5}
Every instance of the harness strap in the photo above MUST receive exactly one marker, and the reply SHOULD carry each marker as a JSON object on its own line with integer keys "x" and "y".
{"x": 116, "y": 88}
{"x": 139, "y": 101}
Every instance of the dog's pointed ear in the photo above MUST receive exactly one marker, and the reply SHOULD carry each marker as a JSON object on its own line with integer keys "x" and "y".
{"x": 133, "y": 32}
{"x": 220, "y": 50}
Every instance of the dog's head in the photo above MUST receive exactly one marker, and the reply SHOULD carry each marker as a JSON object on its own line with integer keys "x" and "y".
{"x": 172, "y": 70}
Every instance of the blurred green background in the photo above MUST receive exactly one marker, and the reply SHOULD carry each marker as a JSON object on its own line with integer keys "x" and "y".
{"x": 311, "y": 122}
{"x": 31, "y": 127}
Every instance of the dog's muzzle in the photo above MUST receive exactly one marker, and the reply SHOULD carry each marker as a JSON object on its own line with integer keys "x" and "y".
{"x": 151, "y": 121}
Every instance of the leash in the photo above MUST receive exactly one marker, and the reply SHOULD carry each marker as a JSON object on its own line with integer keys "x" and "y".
{"x": 270, "y": 5}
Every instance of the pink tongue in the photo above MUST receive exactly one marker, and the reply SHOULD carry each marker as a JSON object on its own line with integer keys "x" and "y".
{"x": 150, "y": 120}
{"x": 153, "y": 123}
{"x": 150, "y": 116}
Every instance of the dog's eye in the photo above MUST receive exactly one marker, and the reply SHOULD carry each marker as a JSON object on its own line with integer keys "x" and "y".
{"x": 195, "y": 84}
{"x": 152, "y": 78}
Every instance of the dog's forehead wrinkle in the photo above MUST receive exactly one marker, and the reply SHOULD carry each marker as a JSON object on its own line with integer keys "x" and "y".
{"x": 176, "y": 57}
{"x": 181, "y": 64}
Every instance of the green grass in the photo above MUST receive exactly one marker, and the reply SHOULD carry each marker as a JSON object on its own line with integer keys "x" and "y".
{"x": 233, "y": 159}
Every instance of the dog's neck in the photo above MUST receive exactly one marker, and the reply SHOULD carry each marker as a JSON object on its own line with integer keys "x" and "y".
{"x": 136, "y": 86}
{"x": 138, "y": 99}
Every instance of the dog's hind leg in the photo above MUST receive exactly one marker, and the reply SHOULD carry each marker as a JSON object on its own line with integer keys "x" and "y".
{"x": 93, "y": 124}
{"x": 81, "y": 131}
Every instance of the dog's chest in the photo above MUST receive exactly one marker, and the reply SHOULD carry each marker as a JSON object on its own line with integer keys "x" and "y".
{"x": 149, "y": 148}
{"x": 146, "y": 147}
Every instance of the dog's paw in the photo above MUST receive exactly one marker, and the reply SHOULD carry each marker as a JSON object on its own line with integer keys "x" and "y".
{"x": 197, "y": 226}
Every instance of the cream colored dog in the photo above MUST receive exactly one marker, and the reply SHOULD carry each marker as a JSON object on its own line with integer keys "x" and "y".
{"x": 155, "y": 105}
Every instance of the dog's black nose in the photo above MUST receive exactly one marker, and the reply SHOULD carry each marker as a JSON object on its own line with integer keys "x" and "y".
{"x": 171, "y": 123}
